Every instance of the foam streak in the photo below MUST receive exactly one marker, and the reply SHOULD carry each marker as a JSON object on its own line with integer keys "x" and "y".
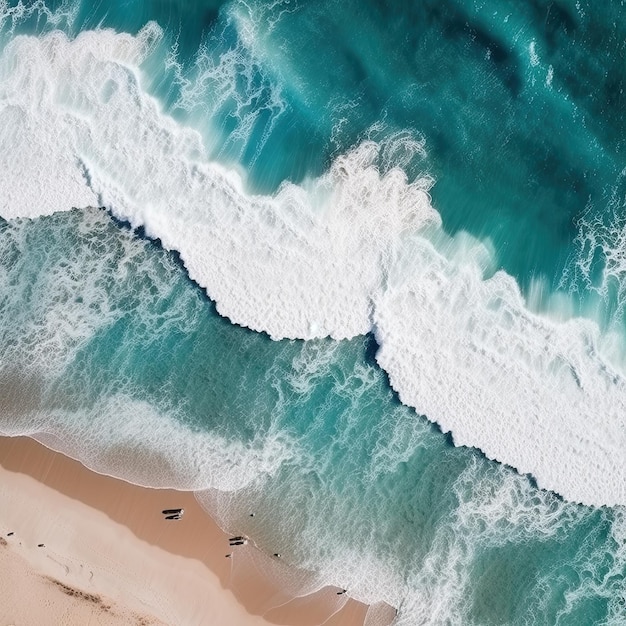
{"x": 352, "y": 251}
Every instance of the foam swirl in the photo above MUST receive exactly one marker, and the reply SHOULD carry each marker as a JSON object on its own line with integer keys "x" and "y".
{"x": 353, "y": 251}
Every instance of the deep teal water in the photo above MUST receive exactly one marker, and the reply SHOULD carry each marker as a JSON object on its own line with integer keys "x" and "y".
{"x": 521, "y": 109}
{"x": 521, "y": 104}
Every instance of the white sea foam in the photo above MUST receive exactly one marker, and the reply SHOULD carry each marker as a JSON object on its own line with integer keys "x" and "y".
{"x": 12, "y": 15}
{"x": 113, "y": 435}
{"x": 60, "y": 287}
{"x": 352, "y": 251}
{"x": 529, "y": 392}
{"x": 235, "y": 85}
{"x": 601, "y": 250}
{"x": 425, "y": 568}
{"x": 532, "y": 53}
{"x": 495, "y": 508}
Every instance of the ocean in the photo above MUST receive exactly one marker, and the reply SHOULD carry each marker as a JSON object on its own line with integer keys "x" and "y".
{"x": 356, "y": 267}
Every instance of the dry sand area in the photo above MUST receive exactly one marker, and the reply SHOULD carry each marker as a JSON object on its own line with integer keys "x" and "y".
{"x": 77, "y": 547}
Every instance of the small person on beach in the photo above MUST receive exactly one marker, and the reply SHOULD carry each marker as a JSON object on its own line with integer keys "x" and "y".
{"x": 238, "y": 541}
{"x": 173, "y": 511}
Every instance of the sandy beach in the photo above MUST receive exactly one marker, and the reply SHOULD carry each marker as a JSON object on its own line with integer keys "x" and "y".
{"x": 77, "y": 547}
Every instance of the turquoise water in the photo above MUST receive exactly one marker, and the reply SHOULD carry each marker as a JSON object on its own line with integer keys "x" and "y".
{"x": 521, "y": 106}
{"x": 515, "y": 110}
{"x": 369, "y": 493}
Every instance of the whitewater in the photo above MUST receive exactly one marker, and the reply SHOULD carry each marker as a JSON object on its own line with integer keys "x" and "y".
{"x": 362, "y": 286}
{"x": 351, "y": 252}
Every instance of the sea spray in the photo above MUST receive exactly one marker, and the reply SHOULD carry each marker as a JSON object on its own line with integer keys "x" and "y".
{"x": 345, "y": 136}
{"x": 354, "y": 250}
{"x": 342, "y": 480}
{"x": 88, "y": 315}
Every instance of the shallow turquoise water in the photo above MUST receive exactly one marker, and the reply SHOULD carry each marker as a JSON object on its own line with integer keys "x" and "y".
{"x": 369, "y": 486}
{"x": 520, "y": 106}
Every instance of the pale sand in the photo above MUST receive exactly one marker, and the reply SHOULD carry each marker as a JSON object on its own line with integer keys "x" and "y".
{"x": 109, "y": 557}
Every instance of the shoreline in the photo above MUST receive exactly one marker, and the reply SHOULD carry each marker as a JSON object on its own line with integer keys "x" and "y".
{"x": 102, "y": 545}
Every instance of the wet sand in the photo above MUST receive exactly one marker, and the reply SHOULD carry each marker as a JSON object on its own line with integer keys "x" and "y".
{"x": 109, "y": 555}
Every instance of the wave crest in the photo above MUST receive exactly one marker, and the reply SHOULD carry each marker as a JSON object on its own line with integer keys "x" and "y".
{"x": 352, "y": 251}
